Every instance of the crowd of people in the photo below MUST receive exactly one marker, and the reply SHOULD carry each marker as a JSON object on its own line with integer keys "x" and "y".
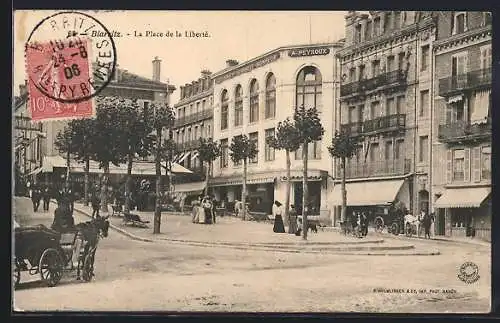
{"x": 204, "y": 210}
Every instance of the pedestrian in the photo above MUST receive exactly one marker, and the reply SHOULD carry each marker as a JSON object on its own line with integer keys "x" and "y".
{"x": 214, "y": 208}
{"x": 364, "y": 224}
{"x": 207, "y": 206}
{"x": 278, "y": 227}
{"x": 46, "y": 197}
{"x": 237, "y": 207}
{"x": 195, "y": 212}
{"x": 292, "y": 220}
{"x": 420, "y": 221}
{"x": 427, "y": 221}
{"x": 30, "y": 189}
{"x": 95, "y": 201}
{"x": 36, "y": 196}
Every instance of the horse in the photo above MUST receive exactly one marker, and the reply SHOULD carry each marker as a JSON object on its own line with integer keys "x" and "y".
{"x": 90, "y": 232}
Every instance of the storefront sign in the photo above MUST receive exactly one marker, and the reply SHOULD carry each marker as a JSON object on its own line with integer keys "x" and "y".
{"x": 247, "y": 68}
{"x": 300, "y": 52}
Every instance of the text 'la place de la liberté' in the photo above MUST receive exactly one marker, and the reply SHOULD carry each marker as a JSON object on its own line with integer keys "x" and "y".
{"x": 155, "y": 34}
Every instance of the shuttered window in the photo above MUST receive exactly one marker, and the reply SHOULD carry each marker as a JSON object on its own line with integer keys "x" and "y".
{"x": 486, "y": 162}
{"x": 476, "y": 164}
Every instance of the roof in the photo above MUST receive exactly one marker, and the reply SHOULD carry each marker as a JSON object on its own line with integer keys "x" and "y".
{"x": 18, "y": 101}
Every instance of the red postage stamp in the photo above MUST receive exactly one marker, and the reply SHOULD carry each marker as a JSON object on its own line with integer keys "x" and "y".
{"x": 59, "y": 79}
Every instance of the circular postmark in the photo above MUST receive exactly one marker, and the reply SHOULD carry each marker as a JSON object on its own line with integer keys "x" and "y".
{"x": 70, "y": 57}
{"x": 468, "y": 272}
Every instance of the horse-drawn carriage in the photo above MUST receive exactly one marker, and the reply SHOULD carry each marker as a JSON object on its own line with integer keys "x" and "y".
{"x": 40, "y": 250}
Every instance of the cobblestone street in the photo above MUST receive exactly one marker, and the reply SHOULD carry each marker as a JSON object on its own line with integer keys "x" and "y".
{"x": 175, "y": 276}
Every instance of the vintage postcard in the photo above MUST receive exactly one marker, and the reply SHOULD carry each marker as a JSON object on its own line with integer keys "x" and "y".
{"x": 252, "y": 161}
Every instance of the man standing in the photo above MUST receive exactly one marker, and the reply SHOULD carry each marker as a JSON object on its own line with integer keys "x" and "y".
{"x": 35, "y": 197}
{"x": 46, "y": 197}
{"x": 420, "y": 221}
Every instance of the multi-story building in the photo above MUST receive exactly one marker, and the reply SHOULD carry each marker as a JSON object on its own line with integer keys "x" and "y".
{"x": 194, "y": 120}
{"x": 385, "y": 101}
{"x": 461, "y": 136}
{"x": 251, "y": 98}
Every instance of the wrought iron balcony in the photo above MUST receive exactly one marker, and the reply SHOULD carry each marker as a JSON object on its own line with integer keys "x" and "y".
{"x": 460, "y": 131}
{"x": 458, "y": 83}
{"x": 352, "y": 128}
{"x": 189, "y": 145}
{"x": 375, "y": 168}
{"x": 199, "y": 116}
{"x": 386, "y": 123}
{"x": 388, "y": 79}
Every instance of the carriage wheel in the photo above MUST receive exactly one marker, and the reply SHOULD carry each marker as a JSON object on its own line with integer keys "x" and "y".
{"x": 88, "y": 267}
{"x": 379, "y": 224}
{"x": 50, "y": 267}
{"x": 16, "y": 273}
{"x": 409, "y": 230}
{"x": 395, "y": 229}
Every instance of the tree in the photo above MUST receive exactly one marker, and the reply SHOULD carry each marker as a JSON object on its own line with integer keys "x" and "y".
{"x": 286, "y": 138}
{"x": 82, "y": 148}
{"x": 308, "y": 125}
{"x": 136, "y": 139}
{"x": 168, "y": 152}
{"x": 209, "y": 151}
{"x": 343, "y": 147}
{"x": 163, "y": 117}
{"x": 64, "y": 144}
{"x": 108, "y": 133}
{"x": 242, "y": 149}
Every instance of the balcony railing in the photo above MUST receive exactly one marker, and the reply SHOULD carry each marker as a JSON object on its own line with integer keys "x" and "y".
{"x": 376, "y": 168}
{"x": 463, "y": 131}
{"x": 189, "y": 145}
{"x": 458, "y": 83}
{"x": 199, "y": 116}
{"x": 386, "y": 79}
{"x": 381, "y": 124}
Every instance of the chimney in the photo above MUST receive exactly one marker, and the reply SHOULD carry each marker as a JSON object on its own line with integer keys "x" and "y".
{"x": 182, "y": 91}
{"x": 156, "y": 69}
{"x": 205, "y": 73}
{"x": 231, "y": 62}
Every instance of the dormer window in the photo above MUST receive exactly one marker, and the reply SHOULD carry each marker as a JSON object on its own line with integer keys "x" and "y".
{"x": 357, "y": 35}
{"x": 388, "y": 22}
{"x": 368, "y": 30}
{"x": 459, "y": 23}
{"x": 376, "y": 27}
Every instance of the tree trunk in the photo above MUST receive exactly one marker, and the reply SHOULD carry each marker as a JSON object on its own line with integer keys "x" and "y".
{"x": 244, "y": 190}
{"x": 68, "y": 167}
{"x": 157, "y": 216}
{"x": 305, "y": 191}
{"x": 343, "y": 215}
{"x": 206, "y": 177}
{"x": 128, "y": 182}
{"x": 86, "y": 182}
{"x": 288, "y": 184}
{"x": 104, "y": 189}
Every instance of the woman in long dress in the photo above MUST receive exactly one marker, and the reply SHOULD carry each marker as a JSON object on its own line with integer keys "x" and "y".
{"x": 278, "y": 227}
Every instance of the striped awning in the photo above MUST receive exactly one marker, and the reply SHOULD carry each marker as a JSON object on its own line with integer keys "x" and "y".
{"x": 368, "y": 193}
{"x": 238, "y": 180}
{"x": 455, "y": 98}
{"x": 193, "y": 188}
{"x": 463, "y": 197}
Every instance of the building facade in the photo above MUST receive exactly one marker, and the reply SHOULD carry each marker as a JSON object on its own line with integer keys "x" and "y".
{"x": 385, "y": 101}
{"x": 461, "y": 183}
{"x": 194, "y": 120}
{"x": 251, "y": 98}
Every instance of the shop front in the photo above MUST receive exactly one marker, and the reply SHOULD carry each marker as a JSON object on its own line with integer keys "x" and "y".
{"x": 466, "y": 212}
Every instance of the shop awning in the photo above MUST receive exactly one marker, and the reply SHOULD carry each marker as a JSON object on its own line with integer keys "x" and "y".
{"x": 49, "y": 162}
{"x": 462, "y": 197}
{"x": 238, "y": 180}
{"x": 193, "y": 188}
{"x": 368, "y": 193}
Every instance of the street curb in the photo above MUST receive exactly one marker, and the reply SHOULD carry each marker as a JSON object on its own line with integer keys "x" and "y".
{"x": 112, "y": 226}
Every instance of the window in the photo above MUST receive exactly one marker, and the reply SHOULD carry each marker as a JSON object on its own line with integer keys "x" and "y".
{"x": 403, "y": 18}
{"x": 401, "y": 61}
{"x": 352, "y": 115}
{"x": 224, "y": 111}
{"x": 397, "y": 19}
{"x": 368, "y": 30}
{"x": 487, "y": 18}
{"x": 425, "y": 58}
{"x": 352, "y": 74}
{"x": 313, "y": 151}
{"x": 238, "y": 106}
{"x": 254, "y": 137}
{"x": 209, "y": 133}
{"x": 388, "y": 150}
{"x": 203, "y": 105}
{"x": 375, "y": 110}
{"x": 486, "y": 162}
{"x": 376, "y": 27}
{"x": 459, "y": 70}
{"x": 375, "y": 68}
{"x": 195, "y": 134}
{"x": 458, "y": 164}
{"x": 269, "y": 151}
{"x": 361, "y": 112}
{"x": 485, "y": 62}
{"x": 309, "y": 84}
{"x": 374, "y": 152}
{"x": 388, "y": 22}
{"x": 254, "y": 101}
{"x": 197, "y": 107}
{"x": 401, "y": 104}
{"x": 390, "y": 107}
{"x": 399, "y": 150}
{"x": 390, "y": 63}
{"x": 202, "y": 134}
{"x": 224, "y": 156}
{"x": 361, "y": 72}
{"x": 459, "y": 23}
{"x": 424, "y": 102}
{"x": 357, "y": 35}
{"x": 270, "y": 96}
{"x": 424, "y": 149}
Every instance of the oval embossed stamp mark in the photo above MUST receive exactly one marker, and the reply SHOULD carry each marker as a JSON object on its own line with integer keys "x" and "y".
{"x": 70, "y": 58}
{"x": 468, "y": 272}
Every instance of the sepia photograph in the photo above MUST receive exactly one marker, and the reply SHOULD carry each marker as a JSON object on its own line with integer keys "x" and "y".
{"x": 251, "y": 161}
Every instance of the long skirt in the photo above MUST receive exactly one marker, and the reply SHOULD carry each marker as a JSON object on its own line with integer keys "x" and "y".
{"x": 292, "y": 225}
{"x": 208, "y": 216}
{"x": 195, "y": 214}
{"x": 201, "y": 215}
{"x": 279, "y": 227}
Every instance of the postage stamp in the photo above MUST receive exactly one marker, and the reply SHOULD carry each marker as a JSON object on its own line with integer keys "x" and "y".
{"x": 65, "y": 67}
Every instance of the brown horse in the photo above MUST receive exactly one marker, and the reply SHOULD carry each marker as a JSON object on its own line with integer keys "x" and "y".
{"x": 89, "y": 233}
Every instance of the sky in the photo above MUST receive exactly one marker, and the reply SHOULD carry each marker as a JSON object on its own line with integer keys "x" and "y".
{"x": 239, "y": 35}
